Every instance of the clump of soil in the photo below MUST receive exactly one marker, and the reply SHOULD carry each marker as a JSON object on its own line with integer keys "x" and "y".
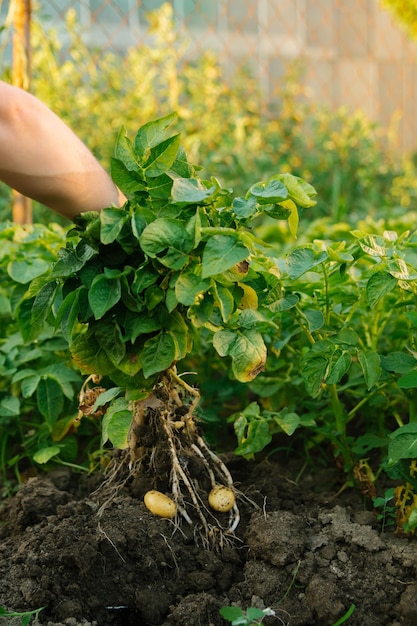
{"x": 307, "y": 555}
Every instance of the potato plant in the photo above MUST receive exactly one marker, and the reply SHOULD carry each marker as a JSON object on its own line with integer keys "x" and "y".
{"x": 38, "y": 385}
{"x": 344, "y": 363}
{"x": 136, "y": 288}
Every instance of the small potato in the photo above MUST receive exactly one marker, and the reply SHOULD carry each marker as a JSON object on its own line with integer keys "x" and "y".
{"x": 160, "y": 504}
{"x": 221, "y": 499}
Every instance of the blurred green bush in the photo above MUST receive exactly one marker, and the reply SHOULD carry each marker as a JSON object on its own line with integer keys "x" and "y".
{"x": 225, "y": 123}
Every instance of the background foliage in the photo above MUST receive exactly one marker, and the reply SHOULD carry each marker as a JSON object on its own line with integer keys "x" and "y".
{"x": 225, "y": 125}
{"x": 405, "y": 12}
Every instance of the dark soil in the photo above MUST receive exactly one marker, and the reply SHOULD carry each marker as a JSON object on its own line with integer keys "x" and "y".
{"x": 299, "y": 549}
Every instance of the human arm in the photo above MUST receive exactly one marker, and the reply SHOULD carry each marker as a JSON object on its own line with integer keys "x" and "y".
{"x": 43, "y": 159}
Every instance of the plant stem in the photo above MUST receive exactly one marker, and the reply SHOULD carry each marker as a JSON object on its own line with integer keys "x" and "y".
{"x": 337, "y": 410}
{"x": 326, "y": 291}
{"x": 304, "y": 327}
{"x": 340, "y": 423}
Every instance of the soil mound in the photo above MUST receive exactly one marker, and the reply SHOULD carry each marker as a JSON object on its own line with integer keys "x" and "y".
{"x": 309, "y": 556}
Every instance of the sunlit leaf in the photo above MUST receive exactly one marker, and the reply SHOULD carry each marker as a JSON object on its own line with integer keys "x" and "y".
{"x": 221, "y": 253}
{"x": 302, "y": 260}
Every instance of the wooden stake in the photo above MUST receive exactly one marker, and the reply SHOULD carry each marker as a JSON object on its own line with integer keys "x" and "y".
{"x": 21, "y": 75}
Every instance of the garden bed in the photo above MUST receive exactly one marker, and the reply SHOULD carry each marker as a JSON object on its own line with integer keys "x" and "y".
{"x": 300, "y": 549}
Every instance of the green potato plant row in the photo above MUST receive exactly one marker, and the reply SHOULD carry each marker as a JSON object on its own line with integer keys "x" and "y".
{"x": 346, "y": 350}
{"x": 38, "y": 383}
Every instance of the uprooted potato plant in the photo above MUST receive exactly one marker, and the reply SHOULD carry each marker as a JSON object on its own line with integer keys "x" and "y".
{"x": 138, "y": 288}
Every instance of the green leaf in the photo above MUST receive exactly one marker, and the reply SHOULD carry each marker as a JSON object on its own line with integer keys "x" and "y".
{"x": 289, "y": 422}
{"x": 116, "y": 424}
{"x": 315, "y": 319}
{"x": 44, "y": 455}
{"x": 160, "y": 187}
{"x": 368, "y": 442}
{"x": 158, "y": 354}
{"x": 179, "y": 331}
{"x": 181, "y": 167}
{"x": 154, "y": 295}
{"x": 255, "y": 320}
{"x": 189, "y": 286}
{"x": 257, "y": 437}
{"x": 298, "y": 189}
{"x": 370, "y": 363}
{"x": 253, "y": 613}
{"x": 112, "y": 221}
{"x": 314, "y": 373}
{"x": 169, "y": 236}
{"x": 111, "y": 340}
{"x": 5, "y": 306}
{"x": 141, "y": 325}
{"x": 190, "y": 191}
{"x": 42, "y": 304}
{"x": 284, "y": 304}
{"x": 25, "y": 271}
{"x": 63, "y": 375}
{"x": 412, "y": 316}
{"x": 269, "y": 192}
{"x": 302, "y": 260}
{"x": 245, "y": 208}
{"x": 161, "y": 157}
{"x": 346, "y": 336}
{"x": 29, "y": 385}
{"x": 224, "y": 300}
{"x": 105, "y": 397}
{"x": 127, "y": 181}
{"x": 89, "y": 356}
{"x": 293, "y": 218}
{"x": 104, "y": 294}
{"x": 124, "y": 151}
{"x": 403, "y": 444}
{"x": 277, "y": 211}
{"x": 339, "y": 368}
{"x": 231, "y": 613}
{"x": 118, "y": 429}
{"x": 411, "y": 523}
{"x": 223, "y": 340}
{"x": 67, "y": 315}
{"x": 50, "y": 400}
{"x": 409, "y": 380}
{"x": 222, "y": 252}
{"x": 9, "y": 407}
{"x": 153, "y": 133}
{"x": 398, "y": 362}
{"x": 71, "y": 260}
{"x": 145, "y": 276}
{"x": 378, "y": 286}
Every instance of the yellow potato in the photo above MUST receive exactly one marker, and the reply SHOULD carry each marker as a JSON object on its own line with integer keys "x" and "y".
{"x": 160, "y": 504}
{"x": 221, "y": 498}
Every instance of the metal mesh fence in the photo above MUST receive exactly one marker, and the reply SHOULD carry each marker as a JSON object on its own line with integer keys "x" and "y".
{"x": 349, "y": 52}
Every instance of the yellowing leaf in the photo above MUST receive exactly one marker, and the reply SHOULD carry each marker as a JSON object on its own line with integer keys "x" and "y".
{"x": 247, "y": 350}
{"x": 250, "y": 297}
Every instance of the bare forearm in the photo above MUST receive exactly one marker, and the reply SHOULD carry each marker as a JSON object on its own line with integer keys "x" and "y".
{"x": 44, "y": 160}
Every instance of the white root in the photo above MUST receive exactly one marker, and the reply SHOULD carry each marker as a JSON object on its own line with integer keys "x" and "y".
{"x": 168, "y": 411}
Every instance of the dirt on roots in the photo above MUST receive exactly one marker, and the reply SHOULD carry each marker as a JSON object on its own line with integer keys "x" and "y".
{"x": 308, "y": 555}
